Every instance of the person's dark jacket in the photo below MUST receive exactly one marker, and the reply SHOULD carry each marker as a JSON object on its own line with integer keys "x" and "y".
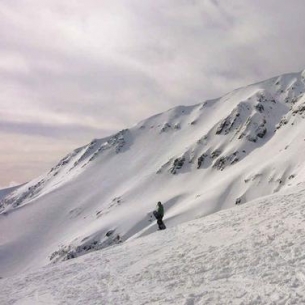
{"x": 160, "y": 210}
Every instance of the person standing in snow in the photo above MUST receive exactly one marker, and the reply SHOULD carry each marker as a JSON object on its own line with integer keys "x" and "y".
{"x": 159, "y": 214}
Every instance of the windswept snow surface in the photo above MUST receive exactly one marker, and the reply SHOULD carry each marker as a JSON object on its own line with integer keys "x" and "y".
{"x": 197, "y": 160}
{"x": 250, "y": 254}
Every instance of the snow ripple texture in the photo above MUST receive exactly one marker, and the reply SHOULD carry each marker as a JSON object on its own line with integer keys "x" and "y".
{"x": 251, "y": 254}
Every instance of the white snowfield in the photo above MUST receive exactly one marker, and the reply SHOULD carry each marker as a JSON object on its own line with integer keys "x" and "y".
{"x": 197, "y": 160}
{"x": 250, "y": 254}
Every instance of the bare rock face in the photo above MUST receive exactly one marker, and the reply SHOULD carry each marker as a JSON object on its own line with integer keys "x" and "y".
{"x": 223, "y": 161}
{"x": 226, "y": 125}
{"x": 178, "y": 164}
{"x": 259, "y": 107}
{"x": 200, "y": 160}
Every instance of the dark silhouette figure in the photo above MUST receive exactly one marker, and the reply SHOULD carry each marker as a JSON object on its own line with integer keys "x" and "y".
{"x": 159, "y": 214}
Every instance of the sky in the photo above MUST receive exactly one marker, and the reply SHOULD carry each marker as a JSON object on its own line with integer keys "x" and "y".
{"x": 71, "y": 71}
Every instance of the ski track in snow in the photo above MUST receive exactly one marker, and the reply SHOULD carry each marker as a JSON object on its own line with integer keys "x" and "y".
{"x": 251, "y": 254}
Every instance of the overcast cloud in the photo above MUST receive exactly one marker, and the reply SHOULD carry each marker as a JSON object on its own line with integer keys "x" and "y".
{"x": 74, "y": 70}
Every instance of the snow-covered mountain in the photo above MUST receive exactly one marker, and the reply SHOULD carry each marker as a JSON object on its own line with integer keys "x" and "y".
{"x": 197, "y": 160}
{"x": 5, "y": 191}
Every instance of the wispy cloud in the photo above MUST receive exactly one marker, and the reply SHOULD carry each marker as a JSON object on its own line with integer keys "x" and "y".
{"x": 86, "y": 69}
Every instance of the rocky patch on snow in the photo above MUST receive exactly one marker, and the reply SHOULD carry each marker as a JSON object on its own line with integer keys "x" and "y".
{"x": 223, "y": 161}
{"x": 88, "y": 151}
{"x": 213, "y": 158}
{"x": 226, "y": 125}
{"x": 87, "y": 245}
{"x": 200, "y": 160}
{"x": 165, "y": 127}
{"x": 118, "y": 143}
{"x": 15, "y": 199}
{"x": 178, "y": 164}
{"x": 65, "y": 161}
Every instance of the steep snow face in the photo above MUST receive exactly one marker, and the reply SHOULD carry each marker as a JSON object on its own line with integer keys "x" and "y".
{"x": 252, "y": 254}
{"x": 197, "y": 160}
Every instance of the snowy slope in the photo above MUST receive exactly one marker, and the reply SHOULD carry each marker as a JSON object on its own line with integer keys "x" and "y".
{"x": 250, "y": 254}
{"x": 5, "y": 191}
{"x": 197, "y": 160}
